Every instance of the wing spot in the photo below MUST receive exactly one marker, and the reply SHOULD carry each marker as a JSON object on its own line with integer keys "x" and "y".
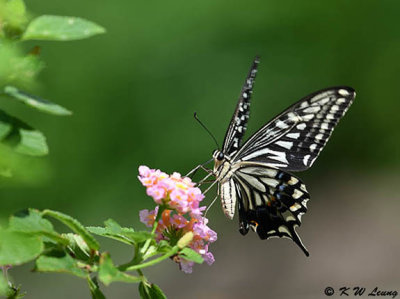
{"x": 334, "y": 108}
{"x": 294, "y": 135}
{"x": 283, "y": 229}
{"x": 312, "y": 109}
{"x": 313, "y": 147}
{"x": 308, "y": 117}
{"x": 323, "y": 101}
{"x": 282, "y": 125}
{"x": 343, "y": 92}
{"x": 301, "y": 126}
{"x": 297, "y": 193}
{"x": 304, "y": 104}
{"x": 305, "y": 159}
{"x": 285, "y": 144}
{"x": 295, "y": 207}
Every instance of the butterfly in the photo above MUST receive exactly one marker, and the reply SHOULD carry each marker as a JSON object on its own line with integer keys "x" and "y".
{"x": 255, "y": 175}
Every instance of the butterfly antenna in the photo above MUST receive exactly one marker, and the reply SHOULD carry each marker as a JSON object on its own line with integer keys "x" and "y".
{"x": 208, "y": 131}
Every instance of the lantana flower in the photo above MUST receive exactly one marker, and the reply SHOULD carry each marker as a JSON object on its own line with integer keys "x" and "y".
{"x": 181, "y": 214}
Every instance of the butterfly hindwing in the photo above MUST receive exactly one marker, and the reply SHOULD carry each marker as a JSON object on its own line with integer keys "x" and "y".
{"x": 293, "y": 140}
{"x": 238, "y": 124}
{"x": 270, "y": 201}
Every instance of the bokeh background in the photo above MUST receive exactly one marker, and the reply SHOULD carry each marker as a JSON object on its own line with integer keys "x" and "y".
{"x": 134, "y": 90}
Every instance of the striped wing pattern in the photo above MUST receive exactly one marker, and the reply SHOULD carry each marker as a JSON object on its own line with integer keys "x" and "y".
{"x": 270, "y": 201}
{"x": 294, "y": 139}
{"x": 239, "y": 120}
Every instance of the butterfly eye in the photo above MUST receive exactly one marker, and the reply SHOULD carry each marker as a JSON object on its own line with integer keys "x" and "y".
{"x": 220, "y": 156}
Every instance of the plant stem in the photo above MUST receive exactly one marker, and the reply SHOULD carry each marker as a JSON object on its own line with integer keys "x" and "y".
{"x": 155, "y": 224}
{"x": 170, "y": 253}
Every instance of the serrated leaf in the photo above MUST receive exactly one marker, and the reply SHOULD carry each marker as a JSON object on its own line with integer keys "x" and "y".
{"x": 36, "y": 102}
{"x": 61, "y": 28}
{"x": 108, "y": 273}
{"x": 94, "y": 288}
{"x": 22, "y": 137}
{"x": 191, "y": 255}
{"x": 31, "y": 221}
{"x": 75, "y": 226}
{"x": 17, "y": 247}
{"x": 65, "y": 264}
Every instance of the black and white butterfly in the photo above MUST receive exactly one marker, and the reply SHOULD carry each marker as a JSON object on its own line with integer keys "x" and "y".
{"x": 254, "y": 175}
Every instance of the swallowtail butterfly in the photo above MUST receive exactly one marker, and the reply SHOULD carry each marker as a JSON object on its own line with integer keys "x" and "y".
{"x": 254, "y": 175}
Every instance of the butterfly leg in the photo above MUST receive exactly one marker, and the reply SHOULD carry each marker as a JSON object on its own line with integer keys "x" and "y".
{"x": 200, "y": 166}
{"x": 212, "y": 185}
{"x": 205, "y": 181}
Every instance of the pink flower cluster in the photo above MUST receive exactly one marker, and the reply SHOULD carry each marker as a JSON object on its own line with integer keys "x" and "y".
{"x": 183, "y": 213}
{"x": 177, "y": 192}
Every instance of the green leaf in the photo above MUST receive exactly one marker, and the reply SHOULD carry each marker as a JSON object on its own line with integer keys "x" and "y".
{"x": 61, "y": 28}
{"x": 156, "y": 293}
{"x": 94, "y": 288}
{"x": 65, "y": 264}
{"x": 75, "y": 226}
{"x": 114, "y": 231}
{"x": 152, "y": 291}
{"x": 22, "y": 137}
{"x": 5, "y": 129}
{"x": 32, "y": 143}
{"x": 139, "y": 237}
{"x": 144, "y": 291}
{"x": 191, "y": 255}
{"x": 31, "y": 221}
{"x": 104, "y": 232}
{"x": 78, "y": 247}
{"x": 36, "y": 102}
{"x": 17, "y": 247}
{"x": 108, "y": 273}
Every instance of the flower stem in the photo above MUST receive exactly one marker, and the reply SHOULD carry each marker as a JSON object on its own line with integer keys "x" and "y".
{"x": 155, "y": 224}
{"x": 170, "y": 253}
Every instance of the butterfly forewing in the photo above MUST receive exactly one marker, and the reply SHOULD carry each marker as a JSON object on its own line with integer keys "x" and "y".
{"x": 238, "y": 124}
{"x": 294, "y": 139}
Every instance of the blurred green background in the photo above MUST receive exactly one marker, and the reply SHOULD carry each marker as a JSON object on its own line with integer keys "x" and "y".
{"x": 134, "y": 90}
